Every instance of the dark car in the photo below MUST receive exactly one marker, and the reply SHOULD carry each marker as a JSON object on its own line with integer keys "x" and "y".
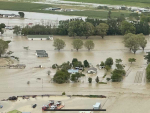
{"x": 34, "y": 106}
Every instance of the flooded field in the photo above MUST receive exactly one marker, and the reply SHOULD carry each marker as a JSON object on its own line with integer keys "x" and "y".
{"x": 14, "y": 81}
{"x": 45, "y": 19}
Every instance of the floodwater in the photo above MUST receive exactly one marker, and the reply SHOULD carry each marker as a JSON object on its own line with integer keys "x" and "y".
{"x": 38, "y": 18}
{"x": 14, "y": 81}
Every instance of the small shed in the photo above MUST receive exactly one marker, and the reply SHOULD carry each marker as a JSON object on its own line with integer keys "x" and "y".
{"x": 39, "y": 37}
{"x": 92, "y": 70}
{"x": 97, "y": 105}
{"x": 73, "y": 71}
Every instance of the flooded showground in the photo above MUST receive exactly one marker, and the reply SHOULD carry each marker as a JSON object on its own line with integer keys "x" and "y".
{"x": 131, "y": 93}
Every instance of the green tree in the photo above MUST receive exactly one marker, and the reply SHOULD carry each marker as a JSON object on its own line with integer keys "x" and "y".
{"x": 75, "y": 28}
{"x": 86, "y": 63}
{"x": 59, "y": 44}
{"x": 119, "y": 66}
{"x": 102, "y": 29}
{"x": 2, "y": 25}
{"x": 107, "y": 68}
{"x": 117, "y": 75}
{"x": 109, "y": 62}
{"x": 127, "y": 27}
{"x": 74, "y": 60}
{"x": 132, "y": 43}
{"x": 102, "y": 64}
{"x": 3, "y": 46}
{"x": 118, "y": 61}
{"x": 148, "y": 73}
{"x": 147, "y": 57}
{"x": 75, "y": 77}
{"x": 88, "y": 29}
{"x": 21, "y": 14}
{"x": 66, "y": 66}
{"x": 97, "y": 79}
{"x": 142, "y": 41}
{"x": 90, "y": 80}
{"x": 17, "y": 30}
{"x": 77, "y": 44}
{"x": 61, "y": 76}
{"x": 89, "y": 44}
{"x": 132, "y": 60}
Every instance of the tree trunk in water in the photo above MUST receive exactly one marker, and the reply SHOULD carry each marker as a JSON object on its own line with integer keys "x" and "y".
{"x": 0, "y": 55}
{"x": 134, "y": 52}
{"x": 86, "y": 37}
{"x": 77, "y": 49}
{"x": 143, "y": 48}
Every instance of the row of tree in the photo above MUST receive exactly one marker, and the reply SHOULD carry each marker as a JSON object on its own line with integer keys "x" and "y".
{"x": 78, "y": 27}
{"x": 134, "y": 42}
{"x": 77, "y": 44}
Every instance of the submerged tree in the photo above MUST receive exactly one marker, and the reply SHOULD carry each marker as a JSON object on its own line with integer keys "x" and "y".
{"x": 132, "y": 60}
{"x": 77, "y": 44}
{"x": 59, "y": 44}
{"x": 89, "y": 44}
{"x": 3, "y": 46}
{"x": 17, "y": 30}
{"x": 21, "y": 14}
{"x": 97, "y": 79}
{"x": 90, "y": 80}
{"x": 102, "y": 29}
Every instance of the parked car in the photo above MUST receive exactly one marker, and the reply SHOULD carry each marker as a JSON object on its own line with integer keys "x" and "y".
{"x": 34, "y": 106}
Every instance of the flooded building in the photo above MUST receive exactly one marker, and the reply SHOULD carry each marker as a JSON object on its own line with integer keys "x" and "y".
{"x": 9, "y": 16}
{"x": 73, "y": 71}
{"x": 92, "y": 70}
{"x": 39, "y": 37}
{"x": 41, "y": 53}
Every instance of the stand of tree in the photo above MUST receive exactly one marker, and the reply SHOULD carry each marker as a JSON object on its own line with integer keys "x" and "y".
{"x": 77, "y": 27}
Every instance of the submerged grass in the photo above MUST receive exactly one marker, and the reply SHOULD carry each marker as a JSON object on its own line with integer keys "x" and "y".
{"x": 139, "y": 3}
{"x": 33, "y": 7}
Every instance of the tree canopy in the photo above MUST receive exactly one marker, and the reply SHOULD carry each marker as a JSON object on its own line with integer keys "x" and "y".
{"x": 61, "y": 76}
{"x": 59, "y": 44}
{"x": 89, "y": 44}
{"x": 77, "y": 44}
{"x": 127, "y": 27}
{"x": 3, "y": 46}
{"x": 21, "y": 14}
{"x": 17, "y": 30}
{"x": 134, "y": 42}
{"x": 102, "y": 29}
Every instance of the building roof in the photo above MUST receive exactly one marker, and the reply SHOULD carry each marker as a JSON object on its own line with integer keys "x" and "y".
{"x": 97, "y": 104}
{"x": 38, "y": 36}
{"x": 41, "y": 54}
{"x": 40, "y": 51}
{"x": 92, "y": 68}
{"x": 73, "y": 70}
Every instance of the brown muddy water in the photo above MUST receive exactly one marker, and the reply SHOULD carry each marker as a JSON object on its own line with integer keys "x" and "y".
{"x": 14, "y": 81}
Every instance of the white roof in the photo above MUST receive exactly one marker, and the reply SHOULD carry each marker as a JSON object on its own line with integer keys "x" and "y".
{"x": 97, "y": 104}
